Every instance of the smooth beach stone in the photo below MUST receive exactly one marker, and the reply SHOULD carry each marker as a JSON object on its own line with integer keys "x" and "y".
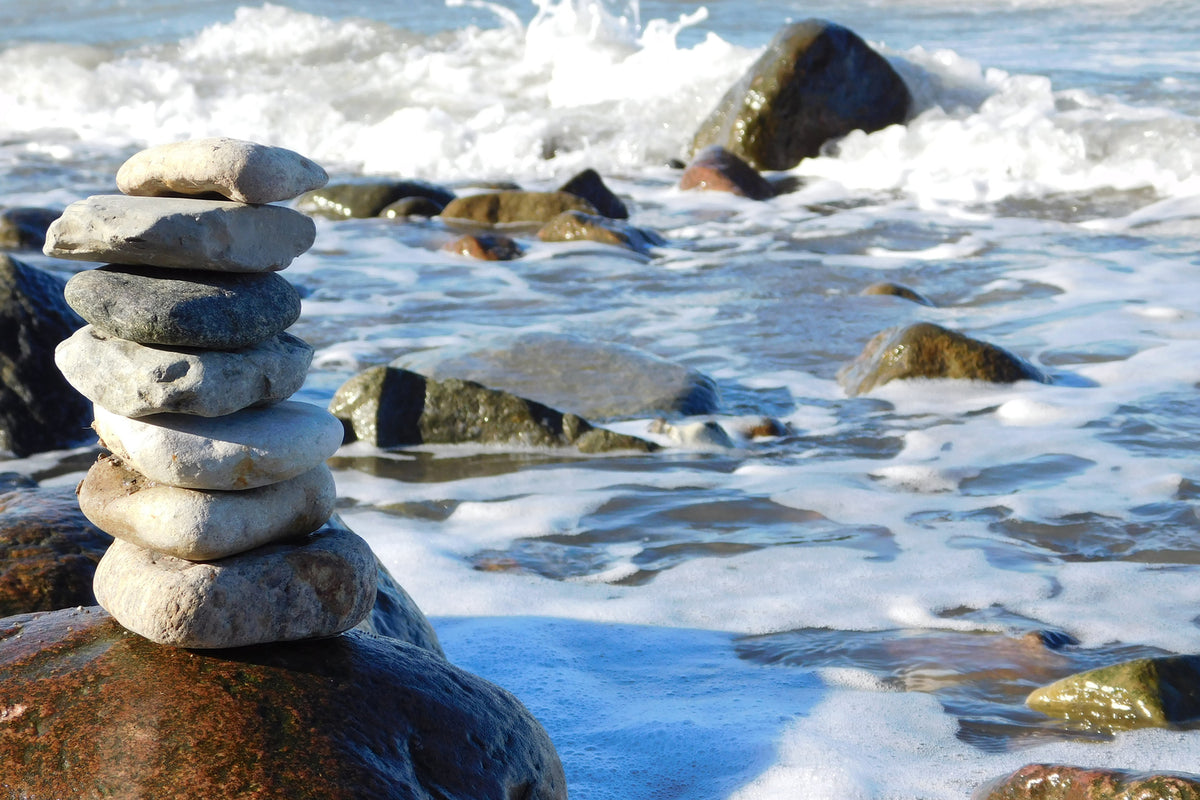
{"x": 91, "y": 711}
{"x": 576, "y": 226}
{"x": 254, "y": 447}
{"x": 1065, "y": 782}
{"x": 239, "y": 170}
{"x": 180, "y": 233}
{"x": 715, "y": 169}
{"x": 203, "y": 525}
{"x": 369, "y": 198}
{"x": 591, "y": 187}
{"x": 134, "y": 380}
{"x": 318, "y": 585}
{"x": 514, "y": 207}
{"x": 177, "y": 308}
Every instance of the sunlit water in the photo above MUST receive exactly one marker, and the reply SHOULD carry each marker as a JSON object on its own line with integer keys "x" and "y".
{"x": 856, "y": 609}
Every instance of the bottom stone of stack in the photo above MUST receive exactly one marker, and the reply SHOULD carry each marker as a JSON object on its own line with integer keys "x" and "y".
{"x": 317, "y": 585}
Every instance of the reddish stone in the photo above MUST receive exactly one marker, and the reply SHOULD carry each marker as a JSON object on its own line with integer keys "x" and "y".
{"x": 715, "y": 169}
{"x": 1060, "y": 782}
{"x": 485, "y": 247}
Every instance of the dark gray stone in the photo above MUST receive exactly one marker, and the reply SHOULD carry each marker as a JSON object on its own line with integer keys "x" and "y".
{"x": 39, "y": 409}
{"x": 24, "y": 228}
{"x": 184, "y": 308}
{"x": 591, "y": 187}
{"x": 397, "y": 615}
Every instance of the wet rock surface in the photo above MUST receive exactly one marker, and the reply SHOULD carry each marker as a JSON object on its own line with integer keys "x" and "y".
{"x": 368, "y": 198}
{"x": 715, "y": 169}
{"x": 576, "y": 226}
{"x": 1064, "y": 782}
{"x": 513, "y": 207}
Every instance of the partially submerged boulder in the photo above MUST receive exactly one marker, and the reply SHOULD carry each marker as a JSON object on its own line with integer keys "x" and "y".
{"x": 925, "y": 350}
{"x": 816, "y": 81}
{"x": 513, "y": 207}
{"x": 485, "y": 247}
{"x": 93, "y": 711}
{"x": 367, "y": 198}
{"x": 39, "y": 410}
{"x": 889, "y": 288}
{"x": 597, "y": 380}
{"x": 715, "y": 169}
{"x": 591, "y": 187}
{"x": 1144, "y": 693}
{"x": 24, "y": 227}
{"x": 576, "y": 226}
{"x": 1064, "y": 782}
{"x": 390, "y": 407}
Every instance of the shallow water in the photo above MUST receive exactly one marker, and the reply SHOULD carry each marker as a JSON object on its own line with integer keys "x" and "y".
{"x": 855, "y": 609}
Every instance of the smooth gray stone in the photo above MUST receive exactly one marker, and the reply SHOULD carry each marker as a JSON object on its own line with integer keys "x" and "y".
{"x": 180, "y": 233}
{"x": 319, "y": 586}
{"x": 203, "y": 525}
{"x": 134, "y": 380}
{"x": 177, "y": 308}
{"x": 239, "y": 170}
{"x": 254, "y": 447}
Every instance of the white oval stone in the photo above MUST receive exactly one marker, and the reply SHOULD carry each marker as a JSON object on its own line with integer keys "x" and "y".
{"x": 243, "y": 171}
{"x": 254, "y": 447}
{"x": 180, "y": 233}
{"x": 319, "y": 585}
{"x": 135, "y": 380}
{"x": 201, "y": 525}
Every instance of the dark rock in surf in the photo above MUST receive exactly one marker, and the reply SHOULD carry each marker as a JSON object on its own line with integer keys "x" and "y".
{"x": 93, "y": 711}
{"x": 39, "y": 410}
{"x": 591, "y": 187}
{"x": 576, "y": 226}
{"x": 816, "y": 81}
{"x": 24, "y": 228}
{"x": 367, "y": 198}
{"x": 514, "y": 207}
{"x": 1144, "y": 693}
{"x": 1063, "y": 782}
{"x": 412, "y": 207}
{"x": 184, "y": 308}
{"x": 48, "y": 550}
{"x": 485, "y": 247}
{"x": 896, "y": 290}
{"x": 597, "y": 380}
{"x": 390, "y": 407}
{"x": 925, "y": 350}
{"x": 715, "y": 169}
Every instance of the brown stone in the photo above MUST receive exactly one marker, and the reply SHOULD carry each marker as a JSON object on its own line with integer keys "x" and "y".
{"x": 897, "y": 290}
{"x": 92, "y": 711}
{"x": 576, "y": 226}
{"x": 715, "y": 169}
{"x": 485, "y": 247}
{"x": 514, "y": 207}
{"x": 1061, "y": 782}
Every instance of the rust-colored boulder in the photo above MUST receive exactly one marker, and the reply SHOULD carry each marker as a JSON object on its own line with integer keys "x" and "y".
{"x": 925, "y": 350}
{"x": 90, "y": 711}
{"x": 513, "y": 207}
{"x": 715, "y": 169}
{"x": 815, "y": 82}
{"x": 1061, "y": 782}
{"x": 485, "y": 247}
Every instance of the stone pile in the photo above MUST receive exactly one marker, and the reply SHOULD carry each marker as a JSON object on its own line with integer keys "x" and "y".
{"x": 216, "y": 490}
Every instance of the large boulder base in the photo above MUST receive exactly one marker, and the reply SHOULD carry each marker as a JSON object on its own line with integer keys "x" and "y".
{"x": 513, "y": 207}
{"x": 815, "y": 82}
{"x": 48, "y": 550}
{"x": 1063, "y": 782}
{"x": 597, "y": 380}
{"x": 391, "y": 407}
{"x": 1143, "y": 693}
{"x": 39, "y": 410}
{"x": 925, "y": 350}
{"x": 92, "y": 711}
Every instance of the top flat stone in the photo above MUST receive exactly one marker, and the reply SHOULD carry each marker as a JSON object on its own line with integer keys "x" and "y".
{"x": 243, "y": 171}
{"x": 180, "y": 233}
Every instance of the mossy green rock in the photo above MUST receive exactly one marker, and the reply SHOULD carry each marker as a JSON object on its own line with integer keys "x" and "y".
{"x": 926, "y": 350}
{"x": 514, "y": 207}
{"x": 1061, "y": 782}
{"x": 1145, "y": 693}
{"x": 816, "y": 81}
{"x": 391, "y": 407}
{"x": 367, "y": 198}
{"x": 90, "y": 711}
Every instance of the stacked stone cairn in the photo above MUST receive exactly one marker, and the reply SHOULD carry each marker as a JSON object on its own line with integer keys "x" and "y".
{"x": 216, "y": 489}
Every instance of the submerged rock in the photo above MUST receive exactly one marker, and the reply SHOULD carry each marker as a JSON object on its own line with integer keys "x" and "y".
{"x": 1144, "y": 693}
{"x": 513, "y": 207}
{"x": 715, "y": 169}
{"x": 576, "y": 226}
{"x": 91, "y": 711}
{"x": 897, "y": 290}
{"x": 412, "y": 207}
{"x": 598, "y": 380}
{"x": 24, "y": 227}
{"x": 816, "y": 81}
{"x": 591, "y": 187}
{"x": 39, "y": 409}
{"x": 485, "y": 247}
{"x": 925, "y": 350}
{"x": 367, "y": 198}
{"x": 391, "y": 407}
{"x": 48, "y": 551}
{"x": 1063, "y": 782}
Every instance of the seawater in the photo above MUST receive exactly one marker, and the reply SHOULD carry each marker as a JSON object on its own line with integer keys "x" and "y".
{"x": 844, "y": 612}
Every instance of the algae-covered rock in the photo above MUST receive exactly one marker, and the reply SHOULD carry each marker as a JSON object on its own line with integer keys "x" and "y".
{"x": 367, "y": 198}
{"x": 514, "y": 207}
{"x": 576, "y": 226}
{"x": 1063, "y": 782}
{"x": 816, "y": 81}
{"x": 925, "y": 350}
{"x": 391, "y": 407}
{"x": 1144, "y": 693}
{"x": 92, "y": 711}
